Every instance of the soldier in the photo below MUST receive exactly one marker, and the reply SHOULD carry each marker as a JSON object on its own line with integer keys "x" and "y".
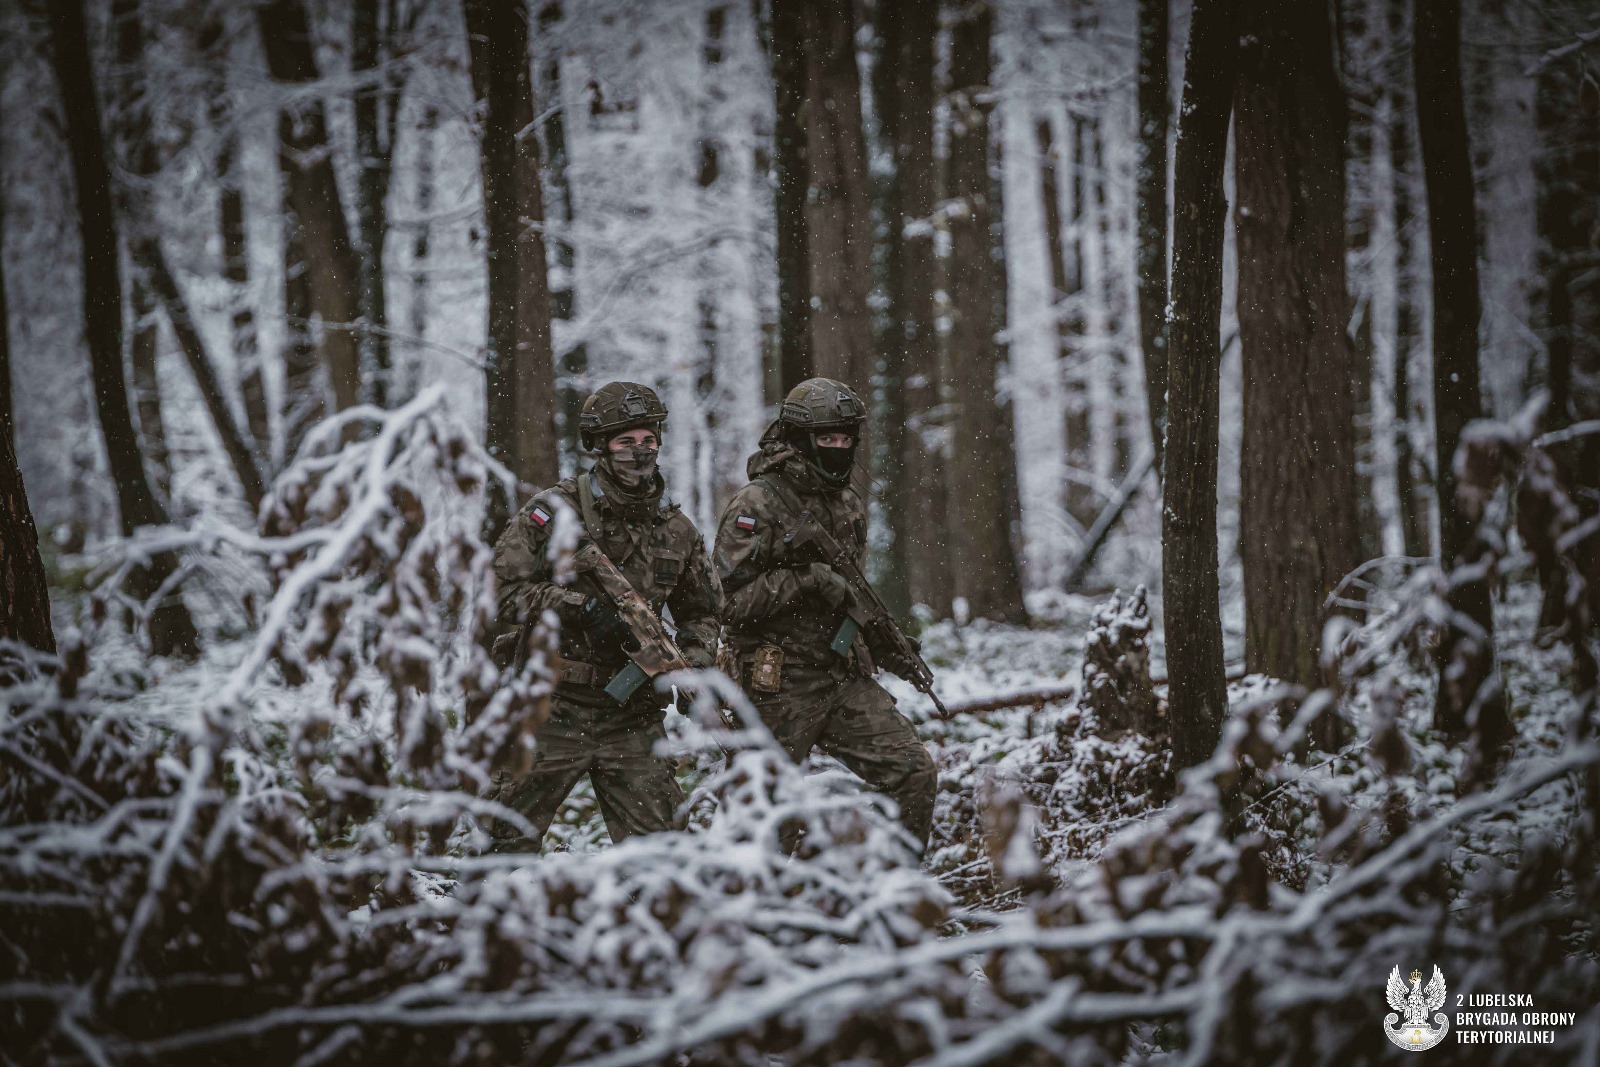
{"x": 626, "y": 513}
{"x": 783, "y": 610}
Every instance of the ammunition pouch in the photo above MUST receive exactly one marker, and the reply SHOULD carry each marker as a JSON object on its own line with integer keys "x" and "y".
{"x": 576, "y": 672}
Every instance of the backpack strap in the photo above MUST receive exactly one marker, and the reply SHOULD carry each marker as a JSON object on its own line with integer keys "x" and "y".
{"x": 589, "y": 492}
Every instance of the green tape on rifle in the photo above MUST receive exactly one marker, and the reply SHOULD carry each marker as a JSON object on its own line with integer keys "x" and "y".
{"x": 845, "y": 637}
{"x": 626, "y": 683}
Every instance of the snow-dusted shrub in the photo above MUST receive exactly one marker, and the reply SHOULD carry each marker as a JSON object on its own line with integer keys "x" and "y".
{"x": 289, "y": 871}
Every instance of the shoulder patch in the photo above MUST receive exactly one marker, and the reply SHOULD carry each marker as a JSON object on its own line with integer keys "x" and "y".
{"x": 539, "y": 515}
{"x": 745, "y": 522}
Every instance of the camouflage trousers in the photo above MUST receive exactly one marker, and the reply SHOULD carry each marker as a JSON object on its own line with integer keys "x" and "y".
{"x": 853, "y": 719}
{"x": 636, "y": 789}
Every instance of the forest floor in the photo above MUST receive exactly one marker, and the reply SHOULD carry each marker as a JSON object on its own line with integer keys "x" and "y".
{"x": 1081, "y": 790}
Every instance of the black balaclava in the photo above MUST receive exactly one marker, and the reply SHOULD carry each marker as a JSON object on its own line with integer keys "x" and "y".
{"x": 831, "y": 465}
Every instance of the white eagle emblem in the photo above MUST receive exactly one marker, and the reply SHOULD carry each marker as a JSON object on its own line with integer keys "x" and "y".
{"x": 1415, "y": 1003}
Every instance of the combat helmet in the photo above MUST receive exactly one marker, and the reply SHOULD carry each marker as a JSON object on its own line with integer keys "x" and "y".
{"x": 615, "y": 407}
{"x": 823, "y": 405}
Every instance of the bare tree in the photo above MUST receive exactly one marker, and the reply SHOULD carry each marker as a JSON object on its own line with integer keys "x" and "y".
{"x": 1151, "y": 173}
{"x": 792, "y": 167}
{"x": 978, "y": 517}
{"x": 1198, "y": 690}
{"x": 171, "y": 629}
{"x": 1298, "y": 532}
{"x": 6, "y": 427}
{"x": 1412, "y": 479}
{"x": 1358, "y": 39}
{"x": 520, "y": 364}
{"x": 376, "y": 29}
{"x": 1567, "y": 110}
{"x": 913, "y": 482}
{"x": 213, "y": 44}
{"x": 1453, "y": 252}
{"x": 839, "y": 204}
{"x": 152, "y": 273}
{"x": 305, "y": 392}
{"x": 306, "y": 157}
{"x": 24, "y": 591}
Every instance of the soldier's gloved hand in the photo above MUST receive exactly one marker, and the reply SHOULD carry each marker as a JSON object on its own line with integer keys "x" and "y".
{"x": 898, "y": 665}
{"x": 824, "y": 583}
{"x": 602, "y": 623}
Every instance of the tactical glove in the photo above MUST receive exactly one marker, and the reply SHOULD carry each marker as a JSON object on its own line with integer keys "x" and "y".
{"x": 602, "y": 623}
{"x": 896, "y": 663}
{"x": 822, "y": 582}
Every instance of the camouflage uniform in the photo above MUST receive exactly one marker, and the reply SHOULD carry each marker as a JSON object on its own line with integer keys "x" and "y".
{"x": 663, "y": 557}
{"x": 778, "y": 606}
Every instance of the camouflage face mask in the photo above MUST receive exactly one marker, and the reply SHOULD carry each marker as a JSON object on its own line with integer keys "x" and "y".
{"x": 632, "y": 466}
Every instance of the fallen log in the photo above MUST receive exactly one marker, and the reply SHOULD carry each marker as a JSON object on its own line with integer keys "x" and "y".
{"x": 1038, "y": 698}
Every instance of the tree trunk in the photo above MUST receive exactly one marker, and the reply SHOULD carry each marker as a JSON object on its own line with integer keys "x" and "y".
{"x": 147, "y": 251}
{"x": 305, "y": 391}
{"x": 1356, "y": 39}
{"x": 573, "y": 363}
{"x": 520, "y": 365}
{"x": 839, "y": 204}
{"x": 307, "y": 163}
{"x": 1298, "y": 528}
{"x": 171, "y": 629}
{"x": 1151, "y": 175}
{"x": 913, "y": 480}
{"x": 904, "y": 91}
{"x": 1066, "y": 285}
{"x": 144, "y": 350}
{"x": 1453, "y": 251}
{"x": 24, "y": 589}
{"x": 791, "y": 161}
{"x": 1412, "y": 482}
{"x": 421, "y": 304}
{"x": 978, "y": 520}
{"x": 152, "y": 274}
{"x": 1567, "y": 109}
{"x": 1198, "y": 693}
{"x": 377, "y": 107}
{"x": 7, "y": 427}
{"x": 213, "y": 45}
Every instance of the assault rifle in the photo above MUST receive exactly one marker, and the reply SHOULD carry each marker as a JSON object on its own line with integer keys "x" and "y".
{"x": 865, "y": 610}
{"x": 657, "y": 653}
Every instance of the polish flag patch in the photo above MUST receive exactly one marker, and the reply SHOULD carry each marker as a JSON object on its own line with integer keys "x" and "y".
{"x": 746, "y": 523}
{"x": 539, "y": 515}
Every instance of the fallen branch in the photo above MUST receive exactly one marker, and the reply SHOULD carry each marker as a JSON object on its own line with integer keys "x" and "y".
{"x": 1096, "y": 538}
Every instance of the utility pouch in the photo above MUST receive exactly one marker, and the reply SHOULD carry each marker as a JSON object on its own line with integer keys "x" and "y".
{"x": 766, "y": 669}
